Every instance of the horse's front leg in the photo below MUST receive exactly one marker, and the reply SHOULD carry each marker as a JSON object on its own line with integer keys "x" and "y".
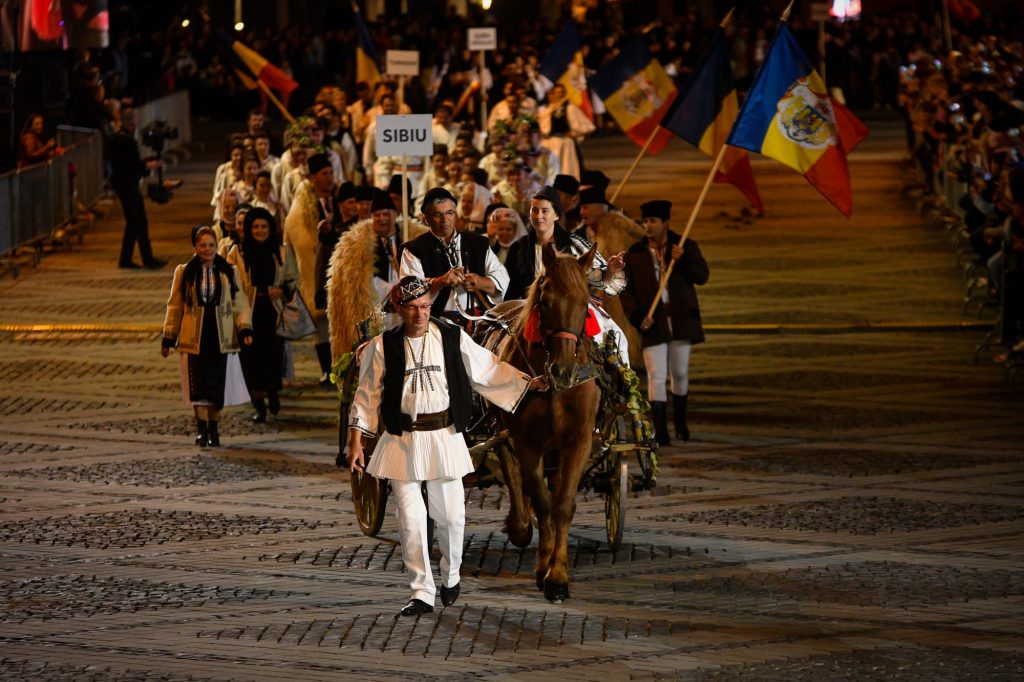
{"x": 563, "y": 508}
{"x": 533, "y": 482}
{"x": 517, "y": 523}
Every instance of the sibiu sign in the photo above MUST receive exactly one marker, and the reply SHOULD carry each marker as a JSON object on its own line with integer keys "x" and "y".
{"x": 410, "y": 135}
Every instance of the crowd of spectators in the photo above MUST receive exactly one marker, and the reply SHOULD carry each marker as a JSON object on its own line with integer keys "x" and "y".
{"x": 964, "y": 113}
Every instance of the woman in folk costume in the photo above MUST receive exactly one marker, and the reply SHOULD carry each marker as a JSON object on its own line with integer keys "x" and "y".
{"x": 418, "y": 380}
{"x": 207, "y": 315}
{"x": 564, "y": 125}
{"x": 314, "y": 204}
{"x": 473, "y": 201}
{"x": 524, "y": 264}
{"x": 266, "y": 269}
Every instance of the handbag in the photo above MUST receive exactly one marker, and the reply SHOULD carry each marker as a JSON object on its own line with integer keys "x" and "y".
{"x": 294, "y": 322}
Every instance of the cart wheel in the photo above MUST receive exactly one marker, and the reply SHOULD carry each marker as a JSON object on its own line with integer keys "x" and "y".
{"x": 617, "y": 472}
{"x": 370, "y": 498}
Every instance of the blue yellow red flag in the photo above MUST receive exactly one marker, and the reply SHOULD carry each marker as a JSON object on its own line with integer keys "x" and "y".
{"x": 367, "y": 59}
{"x": 789, "y": 116}
{"x": 703, "y": 115}
{"x": 563, "y": 64}
{"x": 637, "y": 92}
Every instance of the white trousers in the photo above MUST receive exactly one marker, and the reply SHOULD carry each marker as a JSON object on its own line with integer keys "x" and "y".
{"x": 607, "y": 324}
{"x": 446, "y": 498}
{"x": 664, "y": 360}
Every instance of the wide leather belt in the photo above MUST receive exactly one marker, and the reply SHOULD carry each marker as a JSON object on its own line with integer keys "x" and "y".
{"x": 427, "y": 422}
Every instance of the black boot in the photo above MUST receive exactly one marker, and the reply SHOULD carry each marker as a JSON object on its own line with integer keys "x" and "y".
{"x": 323, "y": 355}
{"x": 213, "y": 438}
{"x": 202, "y": 427}
{"x": 660, "y": 420}
{"x": 273, "y": 403}
{"x": 679, "y": 415}
{"x": 261, "y": 410}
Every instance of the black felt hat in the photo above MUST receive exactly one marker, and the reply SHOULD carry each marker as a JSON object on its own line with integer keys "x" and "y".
{"x": 566, "y": 184}
{"x": 317, "y": 163}
{"x": 658, "y": 208}
{"x": 381, "y": 201}
{"x": 346, "y": 191}
{"x": 593, "y": 195}
{"x": 436, "y": 194}
{"x": 364, "y": 192}
{"x": 594, "y": 178}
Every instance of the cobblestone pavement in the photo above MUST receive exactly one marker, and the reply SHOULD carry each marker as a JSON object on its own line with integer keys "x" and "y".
{"x": 850, "y": 506}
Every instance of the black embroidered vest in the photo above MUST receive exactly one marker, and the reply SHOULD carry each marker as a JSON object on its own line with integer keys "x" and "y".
{"x": 459, "y": 389}
{"x": 431, "y": 253}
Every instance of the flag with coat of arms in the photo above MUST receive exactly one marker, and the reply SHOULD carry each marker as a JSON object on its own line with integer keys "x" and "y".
{"x": 637, "y": 92}
{"x": 789, "y": 116}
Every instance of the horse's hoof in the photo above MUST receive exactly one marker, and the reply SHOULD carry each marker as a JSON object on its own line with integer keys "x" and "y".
{"x": 556, "y": 593}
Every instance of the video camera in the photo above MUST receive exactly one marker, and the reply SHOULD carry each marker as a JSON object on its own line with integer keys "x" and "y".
{"x": 155, "y": 136}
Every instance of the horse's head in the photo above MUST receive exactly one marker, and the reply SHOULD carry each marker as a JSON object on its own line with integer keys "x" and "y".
{"x": 561, "y": 296}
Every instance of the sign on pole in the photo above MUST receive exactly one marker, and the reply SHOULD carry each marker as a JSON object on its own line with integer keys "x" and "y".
{"x": 483, "y": 39}
{"x": 402, "y": 62}
{"x": 820, "y": 11}
{"x": 410, "y": 135}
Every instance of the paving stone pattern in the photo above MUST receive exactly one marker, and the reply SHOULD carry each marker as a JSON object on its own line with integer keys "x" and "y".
{"x": 850, "y": 507}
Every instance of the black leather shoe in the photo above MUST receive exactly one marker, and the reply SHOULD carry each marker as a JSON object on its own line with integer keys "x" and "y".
{"x": 416, "y": 607}
{"x": 154, "y": 264}
{"x": 273, "y": 403}
{"x": 129, "y": 265}
{"x": 450, "y": 594}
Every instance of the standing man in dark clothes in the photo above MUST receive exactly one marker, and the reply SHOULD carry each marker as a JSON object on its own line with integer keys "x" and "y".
{"x": 329, "y": 232}
{"x": 669, "y": 334}
{"x": 126, "y": 170}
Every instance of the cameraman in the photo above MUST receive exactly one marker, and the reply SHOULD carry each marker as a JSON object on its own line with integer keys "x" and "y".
{"x": 126, "y": 171}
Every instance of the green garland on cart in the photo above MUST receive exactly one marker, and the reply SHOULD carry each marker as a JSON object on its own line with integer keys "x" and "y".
{"x": 619, "y": 383}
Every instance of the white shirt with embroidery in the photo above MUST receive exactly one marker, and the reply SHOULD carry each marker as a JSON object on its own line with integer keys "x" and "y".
{"x": 442, "y": 453}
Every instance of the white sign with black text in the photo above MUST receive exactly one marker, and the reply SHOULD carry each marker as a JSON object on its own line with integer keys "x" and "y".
{"x": 402, "y": 62}
{"x": 483, "y": 39}
{"x": 411, "y": 135}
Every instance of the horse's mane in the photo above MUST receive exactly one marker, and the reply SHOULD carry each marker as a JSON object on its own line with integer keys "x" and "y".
{"x": 570, "y": 277}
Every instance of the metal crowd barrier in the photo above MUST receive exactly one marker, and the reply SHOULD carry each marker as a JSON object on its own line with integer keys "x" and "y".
{"x": 37, "y": 200}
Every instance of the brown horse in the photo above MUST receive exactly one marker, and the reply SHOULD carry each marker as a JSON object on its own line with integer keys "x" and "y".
{"x": 552, "y": 431}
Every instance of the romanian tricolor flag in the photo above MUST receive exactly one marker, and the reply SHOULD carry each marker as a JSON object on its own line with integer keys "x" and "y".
{"x": 252, "y": 68}
{"x": 637, "y": 92}
{"x": 367, "y": 60}
{"x": 564, "y": 64}
{"x": 790, "y": 117}
{"x": 703, "y": 115}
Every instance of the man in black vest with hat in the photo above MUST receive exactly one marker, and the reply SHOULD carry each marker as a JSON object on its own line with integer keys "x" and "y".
{"x": 669, "y": 334}
{"x": 463, "y": 272}
{"x": 420, "y": 378}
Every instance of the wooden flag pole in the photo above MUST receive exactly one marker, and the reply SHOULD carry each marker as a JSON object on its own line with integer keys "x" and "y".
{"x": 636, "y": 162}
{"x": 276, "y": 101}
{"x": 649, "y": 318}
{"x": 483, "y": 95}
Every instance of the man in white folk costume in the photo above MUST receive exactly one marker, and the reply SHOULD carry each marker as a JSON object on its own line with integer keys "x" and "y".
{"x": 421, "y": 376}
